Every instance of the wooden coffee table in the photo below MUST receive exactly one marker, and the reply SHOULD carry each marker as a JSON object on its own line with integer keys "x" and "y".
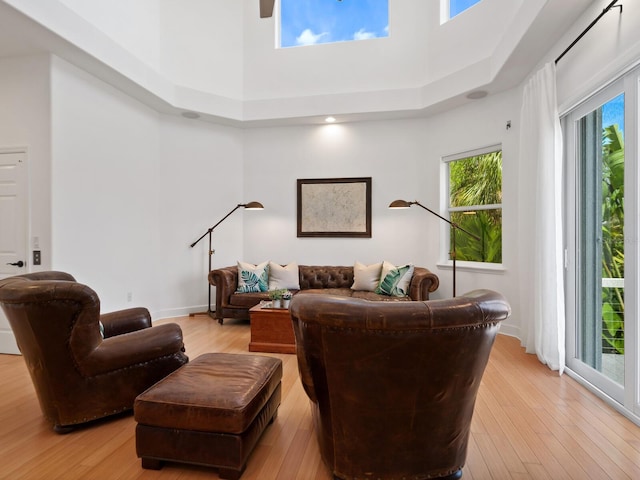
{"x": 271, "y": 330}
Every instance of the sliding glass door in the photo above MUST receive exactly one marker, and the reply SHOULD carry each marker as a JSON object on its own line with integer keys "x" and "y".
{"x": 602, "y": 242}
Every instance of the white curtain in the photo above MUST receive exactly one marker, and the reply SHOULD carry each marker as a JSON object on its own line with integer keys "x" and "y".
{"x": 540, "y": 221}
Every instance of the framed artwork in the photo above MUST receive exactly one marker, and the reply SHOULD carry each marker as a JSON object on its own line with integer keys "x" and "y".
{"x": 334, "y": 207}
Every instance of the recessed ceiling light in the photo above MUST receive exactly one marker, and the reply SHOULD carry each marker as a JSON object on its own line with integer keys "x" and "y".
{"x": 477, "y": 94}
{"x": 192, "y": 115}
{"x": 330, "y": 119}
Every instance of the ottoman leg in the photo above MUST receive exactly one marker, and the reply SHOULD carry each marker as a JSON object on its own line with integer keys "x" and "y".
{"x": 151, "y": 463}
{"x": 229, "y": 474}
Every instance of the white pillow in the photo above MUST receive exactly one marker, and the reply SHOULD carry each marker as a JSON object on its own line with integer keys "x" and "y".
{"x": 284, "y": 277}
{"x": 394, "y": 280}
{"x": 366, "y": 277}
{"x": 253, "y": 278}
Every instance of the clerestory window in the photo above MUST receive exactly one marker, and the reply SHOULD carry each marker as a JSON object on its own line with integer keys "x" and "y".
{"x": 451, "y": 8}
{"x": 313, "y": 22}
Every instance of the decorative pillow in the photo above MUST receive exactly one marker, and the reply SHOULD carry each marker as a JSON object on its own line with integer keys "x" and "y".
{"x": 253, "y": 278}
{"x": 366, "y": 277}
{"x": 394, "y": 280}
{"x": 284, "y": 277}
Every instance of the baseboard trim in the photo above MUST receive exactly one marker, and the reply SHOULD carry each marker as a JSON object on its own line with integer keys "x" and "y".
{"x": 8, "y": 343}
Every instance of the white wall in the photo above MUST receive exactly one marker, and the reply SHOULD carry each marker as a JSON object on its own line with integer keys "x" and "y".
{"x": 24, "y": 122}
{"x": 200, "y": 181}
{"x": 381, "y": 64}
{"x": 104, "y": 208}
{"x": 131, "y": 190}
{"x": 608, "y": 49}
{"x": 403, "y": 157}
{"x": 132, "y": 25}
{"x": 202, "y": 45}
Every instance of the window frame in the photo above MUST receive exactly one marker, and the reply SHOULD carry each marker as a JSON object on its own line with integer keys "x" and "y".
{"x": 448, "y": 209}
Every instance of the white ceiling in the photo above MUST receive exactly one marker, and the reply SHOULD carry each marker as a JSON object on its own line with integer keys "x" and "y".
{"x": 20, "y": 35}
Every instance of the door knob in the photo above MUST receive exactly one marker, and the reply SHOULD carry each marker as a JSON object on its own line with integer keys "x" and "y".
{"x": 19, "y": 263}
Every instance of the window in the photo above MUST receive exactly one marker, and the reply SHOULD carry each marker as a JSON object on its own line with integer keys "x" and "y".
{"x": 451, "y": 8}
{"x": 475, "y": 204}
{"x": 311, "y": 22}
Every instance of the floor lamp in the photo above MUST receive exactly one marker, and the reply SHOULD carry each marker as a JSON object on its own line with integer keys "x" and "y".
{"x": 405, "y": 204}
{"x": 247, "y": 206}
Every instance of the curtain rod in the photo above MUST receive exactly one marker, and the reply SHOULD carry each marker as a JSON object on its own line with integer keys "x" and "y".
{"x": 609, "y": 7}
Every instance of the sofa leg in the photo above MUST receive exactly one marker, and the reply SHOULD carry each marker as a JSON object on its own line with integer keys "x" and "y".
{"x": 221, "y": 321}
{"x": 229, "y": 473}
{"x": 63, "y": 429}
{"x": 454, "y": 476}
{"x": 151, "y": 463}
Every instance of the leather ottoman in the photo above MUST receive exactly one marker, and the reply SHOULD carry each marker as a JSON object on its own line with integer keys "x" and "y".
{"x": 211, "y": 412}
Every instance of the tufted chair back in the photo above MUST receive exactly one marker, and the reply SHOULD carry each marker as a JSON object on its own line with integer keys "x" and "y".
{"x": 78, "y": 375}
{"x": 393, "y": 384}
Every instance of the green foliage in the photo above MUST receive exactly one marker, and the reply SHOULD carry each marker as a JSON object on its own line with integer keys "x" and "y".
{"x": 613, "y": 237}
{"x": 475, "y": 182}
{"x": 482, "y": 224}
{"x": 277, "y": 294}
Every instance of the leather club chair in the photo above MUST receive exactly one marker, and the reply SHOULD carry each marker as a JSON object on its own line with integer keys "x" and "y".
{"x": 393, "y": 385}
{"x": 79, "y": 376}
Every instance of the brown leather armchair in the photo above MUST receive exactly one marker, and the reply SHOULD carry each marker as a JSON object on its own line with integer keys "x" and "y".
{"x": 393, "y": 385}
{"x": 78, "y": 375}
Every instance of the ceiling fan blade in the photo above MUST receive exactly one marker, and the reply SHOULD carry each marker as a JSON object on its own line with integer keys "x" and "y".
{"x": 266, "y": 8}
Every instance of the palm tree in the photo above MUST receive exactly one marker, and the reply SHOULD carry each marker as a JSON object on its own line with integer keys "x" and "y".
{"x": 613, "y": 237}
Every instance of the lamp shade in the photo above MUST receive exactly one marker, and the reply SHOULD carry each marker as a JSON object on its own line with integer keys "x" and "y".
{"x": 254, "y": 206}
{"x": 399, "y": 204}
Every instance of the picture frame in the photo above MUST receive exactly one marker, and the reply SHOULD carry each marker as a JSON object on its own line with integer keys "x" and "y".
{"x": 334, "y": 207}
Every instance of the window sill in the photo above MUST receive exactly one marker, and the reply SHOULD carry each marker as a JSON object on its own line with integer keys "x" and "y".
{"x": 497, "y": 268}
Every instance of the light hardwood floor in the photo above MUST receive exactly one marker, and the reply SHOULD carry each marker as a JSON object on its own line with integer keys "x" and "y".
{"x": 528, "y": 424}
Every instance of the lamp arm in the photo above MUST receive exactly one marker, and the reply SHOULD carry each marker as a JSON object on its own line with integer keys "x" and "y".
{"x": 454, "y": 225}
{"x": 223, "y": 219}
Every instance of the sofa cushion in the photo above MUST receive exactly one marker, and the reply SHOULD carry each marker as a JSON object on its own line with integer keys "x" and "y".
{"x": 247, "y": 300}
{"x": 253, "y": 278}
{"x": 394, "y": 280}
{"x": 366, "y": 277}
{"x": 284, "y": 277}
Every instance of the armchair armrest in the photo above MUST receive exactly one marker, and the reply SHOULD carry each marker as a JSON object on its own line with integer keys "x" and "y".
{"x": 134, "y": 348}
{"x": 125, "y": 321}
{"x": 226, "y": 282}
{"x": 423, "y": 282}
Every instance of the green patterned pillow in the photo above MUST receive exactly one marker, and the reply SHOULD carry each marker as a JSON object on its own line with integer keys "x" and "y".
{"x": 253, "y": 278}
{"x": 394, "y": 280}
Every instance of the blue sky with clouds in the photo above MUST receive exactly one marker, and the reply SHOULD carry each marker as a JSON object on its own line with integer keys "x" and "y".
{"x": 613, "y": 113}
{"x": 457, "y": 6}
{"x": 309, "y": 22}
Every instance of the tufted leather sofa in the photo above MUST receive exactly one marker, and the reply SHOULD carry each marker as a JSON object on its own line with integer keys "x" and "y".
{"x": 78, "y": 375}
{"x": 393, "y": 385}
{"x": 333, "y": 280}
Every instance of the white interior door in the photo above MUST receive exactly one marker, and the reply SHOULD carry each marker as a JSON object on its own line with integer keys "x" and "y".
{"x": 13, "y": 227}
